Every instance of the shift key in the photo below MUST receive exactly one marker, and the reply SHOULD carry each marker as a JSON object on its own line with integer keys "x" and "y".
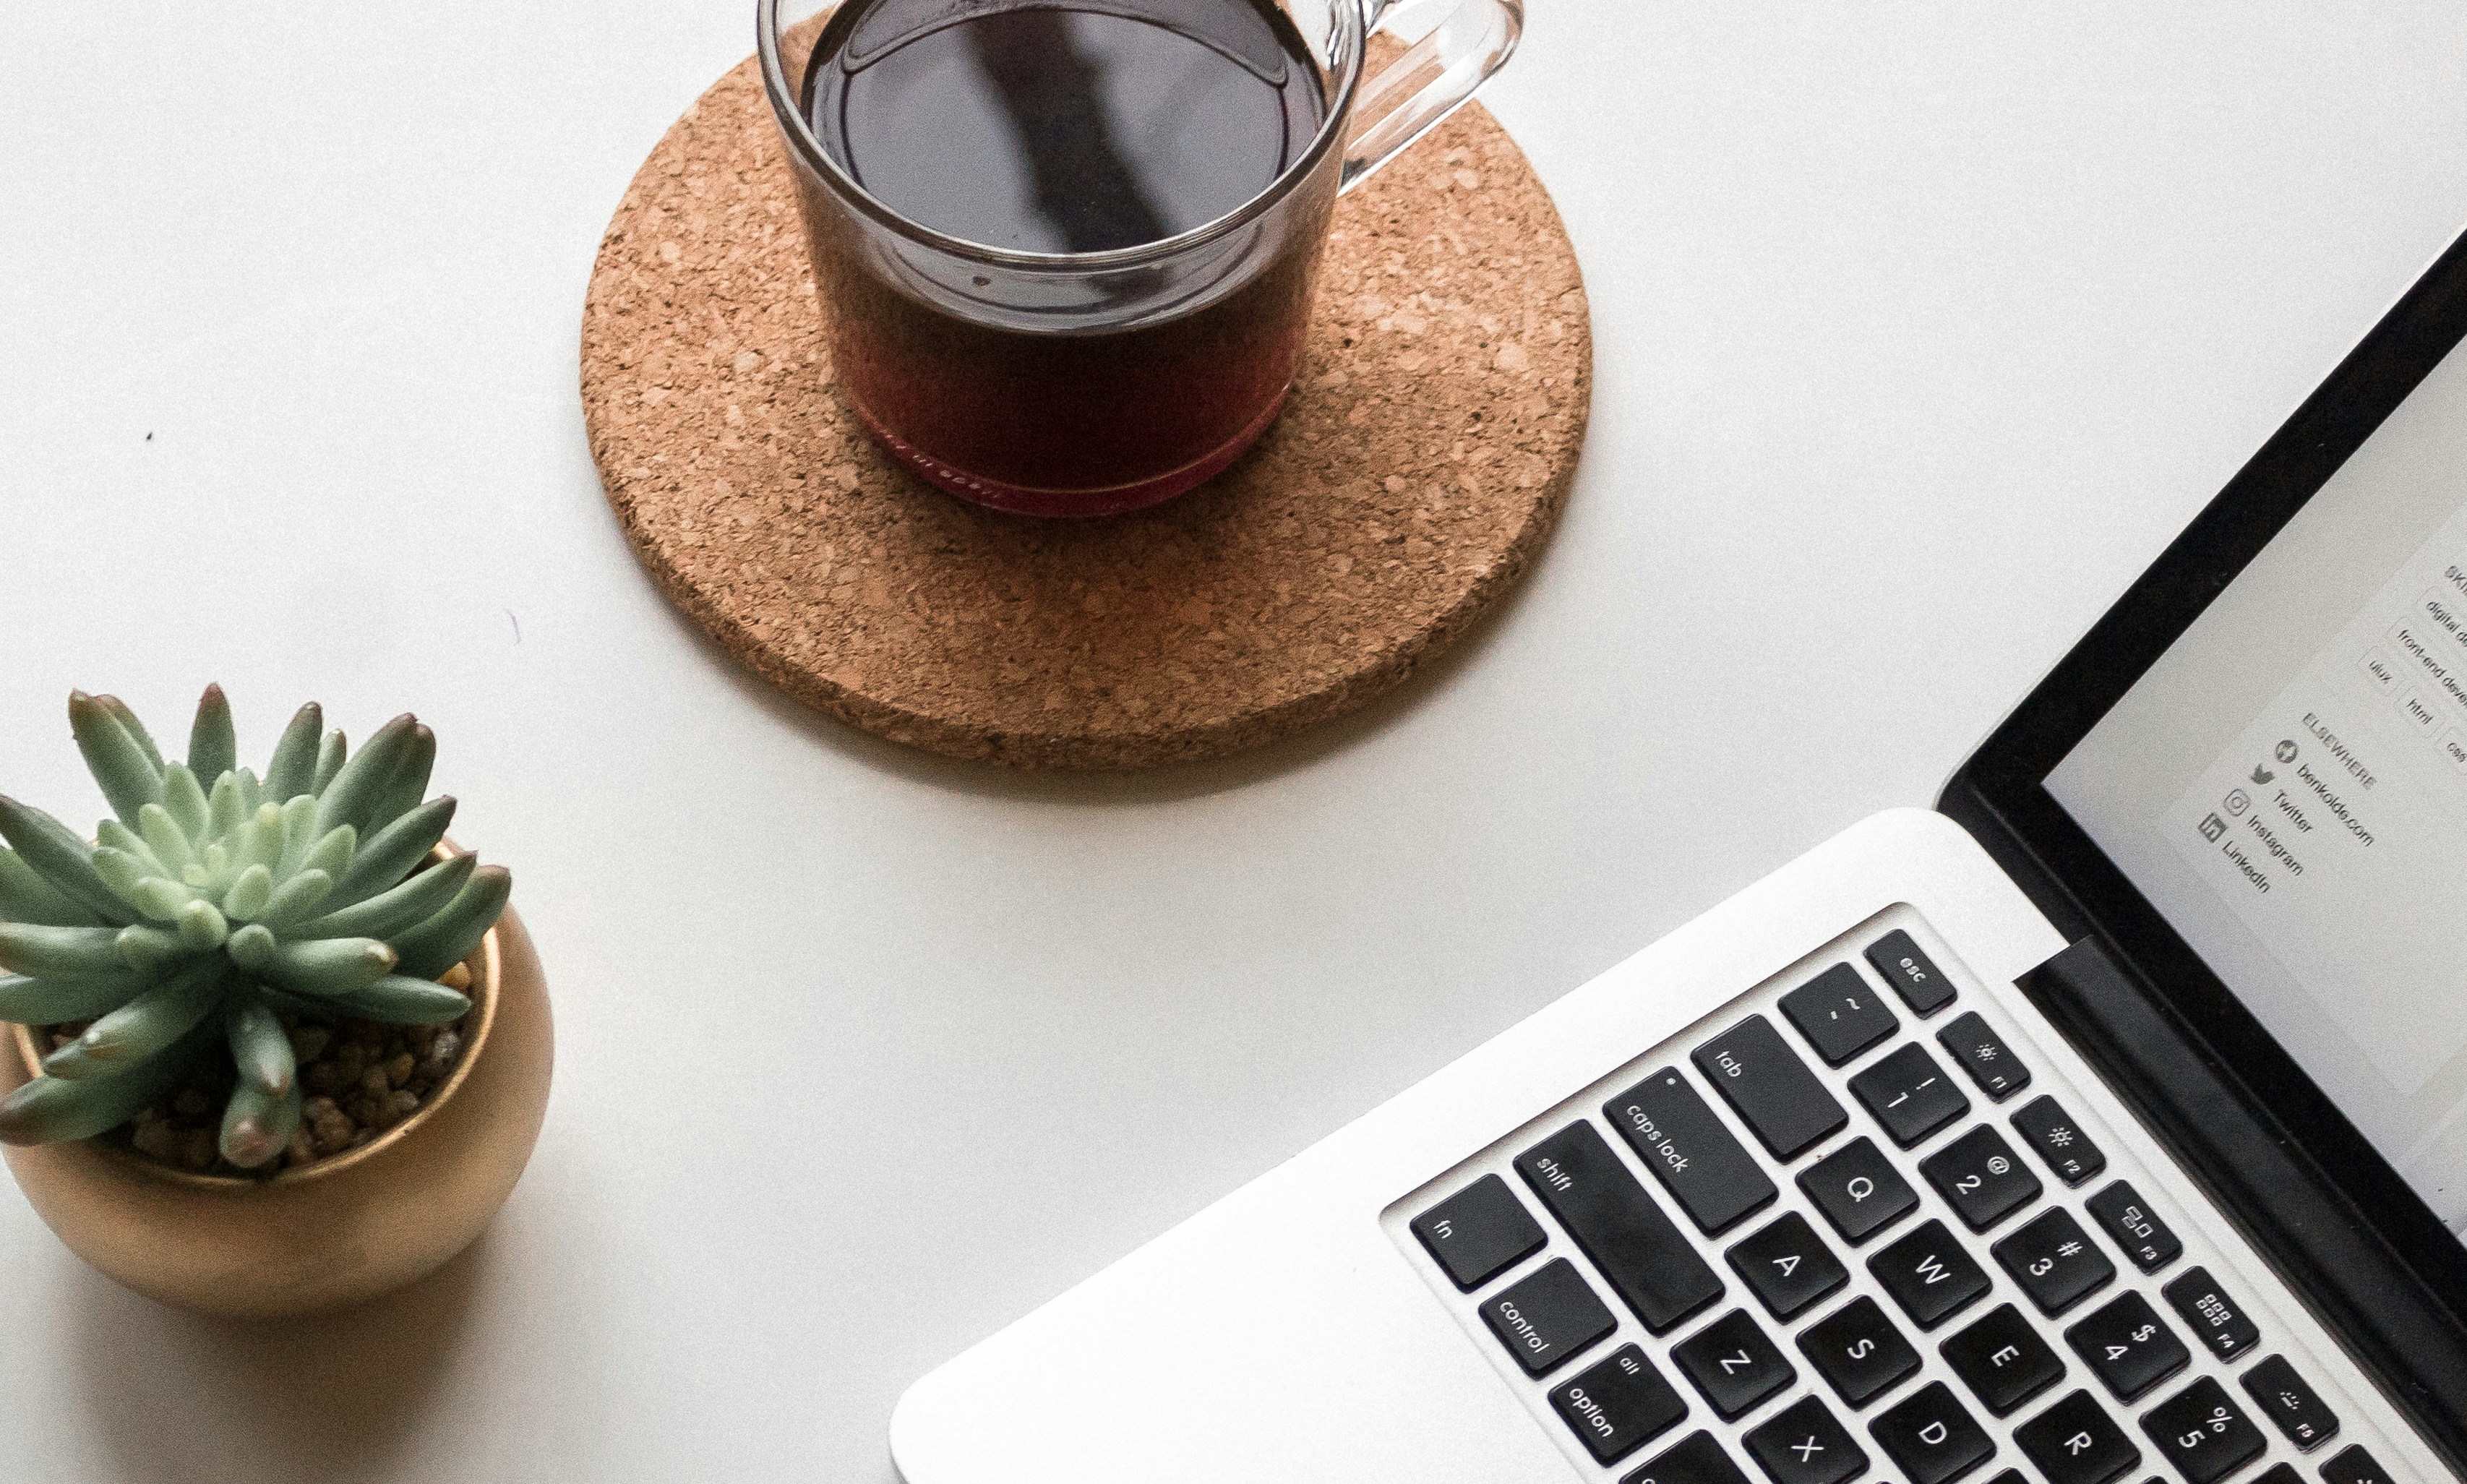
{"x": 1653, "y": 1266}
{"x": 1682, "y": 1142}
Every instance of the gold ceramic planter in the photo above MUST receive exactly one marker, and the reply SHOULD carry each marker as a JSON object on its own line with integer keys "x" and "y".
{"x": 334, "y": 1233}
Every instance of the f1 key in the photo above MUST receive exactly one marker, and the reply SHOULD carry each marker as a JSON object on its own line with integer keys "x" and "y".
{"x": 1983, "y": 1054}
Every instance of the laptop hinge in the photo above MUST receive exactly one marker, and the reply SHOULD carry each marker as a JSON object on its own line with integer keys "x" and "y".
{"x": 2409, "y": 1339}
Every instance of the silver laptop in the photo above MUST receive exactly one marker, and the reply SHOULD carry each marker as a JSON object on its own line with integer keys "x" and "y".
{"x": 2107, "y": 1124}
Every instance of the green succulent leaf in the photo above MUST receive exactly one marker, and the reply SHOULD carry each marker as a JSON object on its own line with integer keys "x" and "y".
{"x": 389, "y": 913}
{"x": 250, "y": 893}
{"x": 294, "y": 768}
{"x": 332, "y": 753}
{"x": 224, "y": 812}
{"x": 214, "y": 749}
{"x": 202, "y": 927}
{"x": 259, "y": 1048}
{"x": 130, "y": 780}
{"x": 56, "y": 998}
{"x": 399, "y": 1000}
{"x": 447, "y": 938}
{"x": 259, "y": 1125}
{"x": 164, "y": 838}
{"x": 326, "y": 966}
{"x": 50, "y": 1109}
{"x": 165, "y": 901}
{"x": 299, "y": 832}
{"x": 353, "y": 793}
{"x": 297, "y": 898}
{"x": 61, "y": 859}
{"x": 145, "y": 1027}
{"x": 151, "y": 950}
{"x": 136, "y": 729}
{"x": 395, "y": 852}
{"x": 121, "y": 838}
{"x": 332, "y": 854}
{"x": 185, "y": 800}
{"x": 123, "y": 873}
{"x": 409, "y": 785}
{"x": 29, "y": 949}
{"x": 27, "y": 897}
{"x": 251, "y": 947}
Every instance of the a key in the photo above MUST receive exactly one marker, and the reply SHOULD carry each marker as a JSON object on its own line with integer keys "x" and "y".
{"x": 1480, "y": 1232}
{"x": 2206, "y": 1435}
{"x": 1788, "y": 1267}
{"x": 2058, "y": 1140}
{"x": 1980, "y": 1178}
{"x": 1770, "y": 1087}
{"x": 1983, "y": 1053}
{"x": 2212, "y": 1316}
{"x": 1546, "y": 1318}
{"x": 1930, "y": 1435}
{"x": 1922, "y": 986}
{"x": 1909, "y": 1095}
{"x": 2002, "y": 1361}
{"x": 1618, "y": 1405}
{"x": 1858, "y": 1191}
{"x": 2129, "y": 1347}
{"x": 2130, "y": 1223}
{"x": 1802, "y": 1444}
{"x": 2291, "y": 1404}
{"x": 1698, "y": 1459}
{"x": 1644, "y": 1255}
{"x": 1839, "y": 1014}
{"x": 1858, "y": 1352}
{"x": 2076, "y": 1442}
{"x": 1682, "y": 1142}
{"x": 1733, "y": 1364}
{"x": 2054, "y": 1261}
{"x": 2352, "y": 1465}
{"x": 1929, "y": 1274}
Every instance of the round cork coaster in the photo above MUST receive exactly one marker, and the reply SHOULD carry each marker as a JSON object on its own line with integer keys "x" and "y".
{"x": 1418, "y": 465}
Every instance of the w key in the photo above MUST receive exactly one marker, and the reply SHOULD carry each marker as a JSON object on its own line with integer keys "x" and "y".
{"x": 1644, "y": 1255}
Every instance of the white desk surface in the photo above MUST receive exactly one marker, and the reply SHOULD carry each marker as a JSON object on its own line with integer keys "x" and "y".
{"x": 1920, "y": 328}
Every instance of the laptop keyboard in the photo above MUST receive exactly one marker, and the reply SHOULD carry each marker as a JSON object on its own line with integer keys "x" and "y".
{"x": 1848, "y": 1230}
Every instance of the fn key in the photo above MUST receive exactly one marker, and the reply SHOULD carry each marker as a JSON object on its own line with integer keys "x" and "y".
{"x": 1480, "y": 1232}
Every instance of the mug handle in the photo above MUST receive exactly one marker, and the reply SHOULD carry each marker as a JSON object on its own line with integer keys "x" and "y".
{"x": 1434, "y": 77}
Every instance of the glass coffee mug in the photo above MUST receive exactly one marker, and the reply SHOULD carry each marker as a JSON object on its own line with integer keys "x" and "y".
{"x": 1065, "y": 251}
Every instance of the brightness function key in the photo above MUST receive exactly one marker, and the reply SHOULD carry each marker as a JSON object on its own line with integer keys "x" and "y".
{"x": 1983, "y": 1054}
{"x": 2059, "y": 1142}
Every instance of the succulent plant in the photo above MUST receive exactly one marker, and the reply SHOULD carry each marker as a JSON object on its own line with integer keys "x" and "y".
{"x": 216, "y": 902}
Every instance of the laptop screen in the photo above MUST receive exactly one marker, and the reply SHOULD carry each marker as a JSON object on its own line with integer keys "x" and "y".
{"x": 2288, "y": 786}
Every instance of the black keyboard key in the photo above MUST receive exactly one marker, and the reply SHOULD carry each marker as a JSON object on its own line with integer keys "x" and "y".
{"x": 1480, "y": 1232}
{"x": 1980, "y": 1178}
{"x": 1929, "y": 1274}
{"x": 1858, "y": 1352}
{"x": 2002, "y": 1361}
{"x": 1788, "y": 1267}
{"x": 1984, "y": 1055}
{"x": 1804, "y": 1445}
{"x": 2010, "y": 1476}
{"x": 2054, "y": 1261}
{"x": 1858, "y": 1191}
{"x": 1698, "y": 1459}
{"x": 2212, "y": 1316}
{"x": 1770, "y": 1087}
{"x": 2128, "y": 1346}
{"x": 1733, "y": 1364}
{"x": 1922, "y": 986}
{"x": 2291, "y": 1404}
{"x": 2076, "y": 1442}
{"x": 1839, "y": 1014}
{"x": 1547, "y": 1318}
{"x": 2354, "y": 1466}
{"x": 1930, "y": 1435}
{"x": 1618, "y": 1405}
{"x": 2204, "y": 1434}
{"x": 1643, "y": 1254}
{"x": 2279, "y": 1473}
{"x": 2130, "y": 1223}
{"x": 1682, "y": 1142}
{"x": 1909, "y": 1095}
{"x": 2059, "y": 1141}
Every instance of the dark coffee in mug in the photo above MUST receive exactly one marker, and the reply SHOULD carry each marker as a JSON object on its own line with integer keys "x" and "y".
{"x": 1030, "y": 128}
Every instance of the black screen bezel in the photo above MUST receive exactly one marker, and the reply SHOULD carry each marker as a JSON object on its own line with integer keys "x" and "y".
{"x": 2001, "y": 792}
